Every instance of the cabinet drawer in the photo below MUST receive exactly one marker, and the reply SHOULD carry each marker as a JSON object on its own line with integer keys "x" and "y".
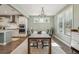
{"x": 75, "y": 44}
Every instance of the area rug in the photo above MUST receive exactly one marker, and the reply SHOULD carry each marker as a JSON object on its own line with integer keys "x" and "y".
{"x": 22, "y": 49}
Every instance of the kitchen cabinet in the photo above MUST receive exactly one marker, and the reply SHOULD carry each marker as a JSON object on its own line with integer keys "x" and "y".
{"x": 14, "y": 28}
{"x": 15, "y": 33}
{"x": 5, "y": 36}
{"x": 22, "y": 25}
{"x": 22, "y": 20}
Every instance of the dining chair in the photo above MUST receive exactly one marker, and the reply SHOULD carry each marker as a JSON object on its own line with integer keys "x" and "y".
{"x": 45, "y": 43}
{"x": 34, "y": 43}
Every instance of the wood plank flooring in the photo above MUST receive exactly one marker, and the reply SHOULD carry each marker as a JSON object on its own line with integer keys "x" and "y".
{"x": 6, "y": 49}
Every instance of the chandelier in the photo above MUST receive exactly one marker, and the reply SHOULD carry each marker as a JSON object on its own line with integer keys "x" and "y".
{"x": 42, "y": 16}
{"x": 42, "y": 12}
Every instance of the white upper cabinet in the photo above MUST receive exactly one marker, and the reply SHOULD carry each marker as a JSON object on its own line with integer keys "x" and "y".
{"x": 22, "y": 20}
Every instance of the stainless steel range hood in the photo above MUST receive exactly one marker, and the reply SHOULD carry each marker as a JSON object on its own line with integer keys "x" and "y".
{"x": 13, "y": 19}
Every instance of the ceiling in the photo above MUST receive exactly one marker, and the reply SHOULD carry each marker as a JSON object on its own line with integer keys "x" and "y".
{"x": 8, "y": 10}
{"x": 30, "y": 9}
{"x": 35, "y": 9}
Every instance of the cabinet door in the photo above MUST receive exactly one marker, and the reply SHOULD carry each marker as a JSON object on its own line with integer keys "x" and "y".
{"x": 21, "y": 20}
{"x": 1, "y": 37}
{"x": 15, "y": 33}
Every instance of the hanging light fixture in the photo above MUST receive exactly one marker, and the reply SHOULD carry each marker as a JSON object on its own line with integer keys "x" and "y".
{"x": 42, "y": 12}
{"x": 42, "y": 16}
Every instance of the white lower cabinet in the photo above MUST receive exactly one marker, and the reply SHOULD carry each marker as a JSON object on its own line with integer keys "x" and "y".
{"x": 15, "y": 33}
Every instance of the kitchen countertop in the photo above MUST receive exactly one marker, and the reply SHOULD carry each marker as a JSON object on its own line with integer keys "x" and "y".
{"x": 4, "y": 31}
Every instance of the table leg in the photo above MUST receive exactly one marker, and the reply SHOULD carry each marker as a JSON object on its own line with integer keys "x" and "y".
{"x": 36, "y": 43}
{"x": 49, "y": 46}
{"x": 28, "y": 46}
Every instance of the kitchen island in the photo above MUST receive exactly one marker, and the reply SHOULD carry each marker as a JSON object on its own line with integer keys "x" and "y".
{"x": 5, "y": 36}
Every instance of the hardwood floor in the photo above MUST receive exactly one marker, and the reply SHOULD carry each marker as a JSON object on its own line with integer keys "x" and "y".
{"x": 6, "y": 49}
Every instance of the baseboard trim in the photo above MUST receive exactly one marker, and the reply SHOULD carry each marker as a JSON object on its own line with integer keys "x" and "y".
{"x": 3, "y": 43}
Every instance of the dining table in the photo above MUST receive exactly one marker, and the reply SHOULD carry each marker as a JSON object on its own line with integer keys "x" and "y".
{"x": 40, "y": 37}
